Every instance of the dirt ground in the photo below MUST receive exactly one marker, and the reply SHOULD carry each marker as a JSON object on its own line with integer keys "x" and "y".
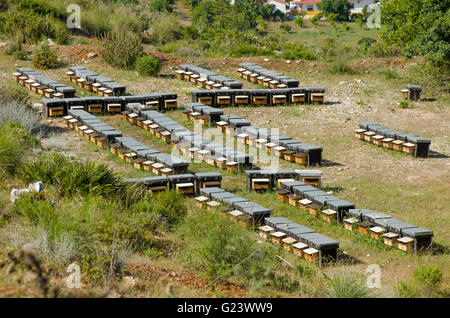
{"x": 415, "y": 190}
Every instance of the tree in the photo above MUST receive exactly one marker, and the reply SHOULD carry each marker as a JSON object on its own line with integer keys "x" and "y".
{"x": 419, "y": 27}
{"x": 299, "y": 21}
{"x": 339, "y": 7}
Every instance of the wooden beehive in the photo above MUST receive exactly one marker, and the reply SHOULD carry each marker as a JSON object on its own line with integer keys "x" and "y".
{"x": 276, "y": 237}
{"x": 56, "y": 111}
{"x": 232, "y": 166}
{"x": 397, "y": 145}
{"x": 95, "y": 87}
{"x": 359, "y": 133}
{"x": 180, "y": 74}
{"x": 363, "y": 227}
{"x": 241, "y": 99}
{"x": 114, "y": 108}
{"x": 16, "y": 76}
{"x": 186, "y": 188}
{"x": 260, "y": 100}
{"x": 311, "y": 255}
{"x": 170, "y": 104}
{"x": 282, "y": 195}
{"x": 253, "y": 77}
{"x": 273, "y": 84}
{"x": 288, "y": 155}
{"x": 387, "y": 143}
{"x": 298, "y": 98}
{"x": 94, "y": 137}
{"x": 390, "y": 238}
{"x": 368, "y": 136}
{"x": 314, "y": 209}
{"x": 405, "y": 93}
{"x": 350, "y": 224}
{"x": 269, "y": 147}
{"x": 304, "y": 203}
{"x": 201, "y": 201}
{"x": 265, "y": 231}
{"x": 293, "y": 199}
{"x": 156, "y": 167}
{"x": 377, "y": 140}
{"x": 88, "y": 85}
{"x": 317, "y": 98}
{"x": 212, "y": 205}
{"x": 279, "y": 99}
{"x": 405, "y": 244}
{"x": 298, "y": 248}
{"x": 147, "y": 165}
{"x": 329, "y": 215}
{"x": 376, "y": 232}
{"x": 138, "y": 163}
{"x": 101, "y": 91}
{"x": 301, "y": 158}
{"x": 95, "y": 108}
{"x": 165, "y": 136}
{"x": 80, "y": 82}
{"x": 409, "y": 148}
{"x": 166, "y": 172}
{"x": 102, "y": 142}
{"x": 278, "y": 151}
{"x": 49, "y": 93}
{"x": 129, "y": 157}
{"x": 41, "y": 90}
{"x": 260, "y": 80}
{"x": 206, "y": 100}
{"x": 221, "y": 163}
{"x": 312, "y": 181}
{"x": 260, "y": 184}
{"x": 156, "y": 189}
{"x": 239, "y": 71}
{"x": 187, "y": 76}
{"x": 288, "y": 242}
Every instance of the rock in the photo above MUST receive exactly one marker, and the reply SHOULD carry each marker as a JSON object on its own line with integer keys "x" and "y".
{"x": 129, "y": 281}
{"x": 266, "y": 60}
{"x": 288, "y": 62}
{"x": 277, "y": 52}
{"x": 3, "y": 44}
{"x": 32, "y": 187}
{"x": 91, "y": 55}
{"x": 50, "y": 42}
{"x": 343, "y": 83}
{"x": 354, "y": 189}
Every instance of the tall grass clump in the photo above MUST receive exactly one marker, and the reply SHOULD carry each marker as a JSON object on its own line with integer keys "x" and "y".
{"x": 72, "y": 177}
{"x": 121, "y": 49}
{"x": 217, "y": 247}
{"x": 427, "y": 282}
{"x": 14, "y": 143}
{"x": 348, "y": 285}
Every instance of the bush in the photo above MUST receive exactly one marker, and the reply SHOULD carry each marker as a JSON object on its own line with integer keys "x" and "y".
{"x": 340, "y": 66}
{"x": 296, "y": 52}
{"x": 171, "y": 206}
{"x": 429, "y": 276}
{"x": 299, "y": 21}
{"x": 286, "y": 27}
{"x": 13, "y": 92}
{"x": 45, "y": 57}
{"x": 121, "y": 49}
{"x": 166, "y": 28}
{"x": 389, "y": 75}
{"x": 72, "y": 177}
{"x": 148, "y": 65}
{"x": 216, "y": 246}
{"x": 14, "y": 142}
{"x": 367, "y": 42}
{"x": 161, "y": 5}
{"x": 347, "y": 285}
{"x": 12, "y": 110}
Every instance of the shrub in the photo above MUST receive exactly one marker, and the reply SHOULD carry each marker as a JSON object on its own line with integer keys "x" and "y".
{"x": 367, "y": 42}
{"x": 340, "y": 8}
{"x": 299, "y": 21}
{"x": 148, "y": 65}
{"x": 286, "y": 27}
{"x": 217, "y": 246}
{"x": 161, "y": 5}
{"x": 389, "y": 75}
{"x": 170, "y": 205}
{"x": 15, "y": 48}
{"x": 45, "y": 57}
{"x": 430, "y": 276}
{"x": 72, "y": 177}
{"x": 12, "y": 92}
{"x": 165, "y": 28}
{"x": 121, "y": 49}
{"x": 15, "y": 111}
{"x": 347, "y": 285}
{"x": 340, "y": 66}
{"x": 296, "y": 51}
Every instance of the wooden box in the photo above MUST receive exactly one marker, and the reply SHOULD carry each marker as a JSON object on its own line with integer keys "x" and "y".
{"x": 259, "y": 100}
{"x": 368, "y": 136}
{"x": 282, "y": 195}
{"x": 69, "y": 75}
{"x": 288, "y": 242}
{"x": 260, "y": 80}
{"x": 304, "y": 203}
{"x": 329, "y": 215}
{"x": 201, "y": 201}
{"x": 166, "y": 172}
{"x": 101, "y": 91}
{"x": 279, "y": 99}
{"x": 239, "y": 71}
{"x": 212, "y": 205}
{"x": 41, "y": 90}
{"x": 278, "y": 151}
{"x": 387, "y": 143}
{"x": 242, "y": 138}
{"x": 209, "y": 85}
{"x": 113, "y": 148}
{"x": 16, "y": 76}
{"x": 223, "y": 100}
{"x": 138, "y": 163}
{"x": 102, "y": 142}
{"x": 180, "y": 74}
{"x": 405, "y": 244}
{"x": 206, "y": 100}
{"x": 22, "y": 80}
{"x": 314, "y": 209}
{"x": 288, "y": 155}
{"x": 390, "y": 238}
{"x": 260, "y": 184}
{"x": 121, "y": 153}
{"x": 276, "y": 237}
{"x": 293, "y": 199}
{"x": 253, "y": 77}
{"x": 297, "y": 98}
{"x": 185, "y": 188}
{"x": 265, "y": 231}
{"x": 405, "y": 93}
{"x": 241, "y": 99}
{"x": 56, "y": 111}
{"x": 232, "y": 166}
{"x": 147, "y": 165}
{"x": 49, "y": 93}
{"x": 409, "y": 148}
{"x": 312, "y": 181}
{"x": 113, "y": 108}
{"x": 397, "y": 145}
{"x": 377, "y": 140}
{"x": 298, "y": 248}
{"x": 350, "y": 224}
{"x": 376, "y": 232}
{"x": 222, "y": 126}
{"x": 80, "y": 82}
{"x": 317, "y": 98}
{"x": 187, "y": 76}
{"x": 129, "y": 157}
{"x": 363, "y": 227}
{"x": 269, "y": 147}
{"x": 95, "y": 87}
{"x": 273, "y": 84}
{"x": 311, "y": 255}
{"x": 170, "y": 104}
{"x": 95, "y": 108}
{"x": 156, "y": 167}
{"x": 94, "y": 137}
{"x": 221, "y": 163}
{"x": 301, "y": 158}
{"x": 359, "y": 133}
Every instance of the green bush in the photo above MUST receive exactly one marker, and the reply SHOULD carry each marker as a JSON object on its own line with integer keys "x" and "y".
{"x": 296, "y": 51}
{"x": 429, "y": 276}
{"x": 216, "y": 246}
{"x": 161, "y": 5}
{"x": 171, "y": 206}
{"x": 347, "y": 285}
{"x": 121, "y": 49}
{"x": 367, "y": 42}
{"x": 340, "y": 66}
{"x": 389, "y": 75}
{"x": 72, "y": 177}
{"x": 299, "y": 21}
{"x": 148, "y": 65}
{"x": 13, "y": 92}
{"x": 339, "y": 8}
{"x": 286, "y": 27}
{"x": 45, "y": 57}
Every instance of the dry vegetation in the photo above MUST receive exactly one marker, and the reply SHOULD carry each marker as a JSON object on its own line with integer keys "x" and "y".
{"x": 187, "y": 260}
